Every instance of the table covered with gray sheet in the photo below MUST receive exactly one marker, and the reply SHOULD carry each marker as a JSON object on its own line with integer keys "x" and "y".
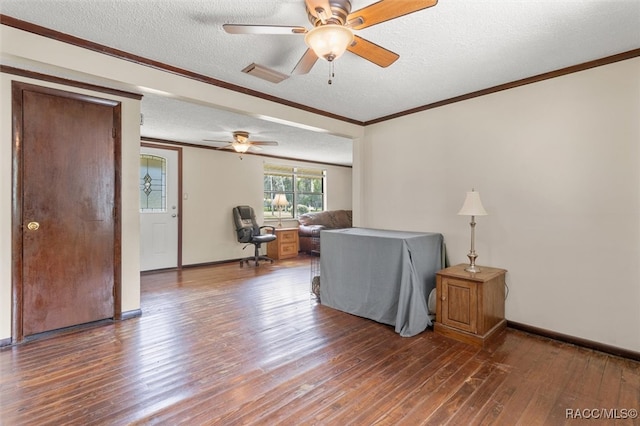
{"x": 382, "y": 275}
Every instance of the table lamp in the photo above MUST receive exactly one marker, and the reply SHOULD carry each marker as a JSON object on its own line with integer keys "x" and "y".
{"x": 280, "y": 201}
{"x": 472, "y": 207}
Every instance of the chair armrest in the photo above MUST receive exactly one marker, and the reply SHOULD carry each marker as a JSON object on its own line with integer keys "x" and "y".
{"x": 273, "y": 229}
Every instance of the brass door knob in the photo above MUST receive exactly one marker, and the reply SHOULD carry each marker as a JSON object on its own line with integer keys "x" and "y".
{"x": 33, "y": 226}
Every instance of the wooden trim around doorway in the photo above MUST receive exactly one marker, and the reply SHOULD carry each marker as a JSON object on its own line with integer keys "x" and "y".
{"x": 179, "y": 151}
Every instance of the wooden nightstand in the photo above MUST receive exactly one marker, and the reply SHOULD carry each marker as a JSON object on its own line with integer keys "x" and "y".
{"x": 285, "y": 245}
{"x": 470, "y": 306}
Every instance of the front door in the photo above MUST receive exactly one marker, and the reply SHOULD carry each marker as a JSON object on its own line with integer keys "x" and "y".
{"x": 65, "y": 213}
{"x": 159, "y": 208}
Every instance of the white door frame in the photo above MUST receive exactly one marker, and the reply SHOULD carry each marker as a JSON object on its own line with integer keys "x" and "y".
{"x": 174, "y": 209}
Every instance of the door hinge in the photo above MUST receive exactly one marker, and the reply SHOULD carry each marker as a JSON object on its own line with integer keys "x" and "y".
{"x": 113, "y": 132}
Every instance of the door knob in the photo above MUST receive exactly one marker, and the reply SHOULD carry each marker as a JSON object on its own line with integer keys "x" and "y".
{"x": 174, "y": 215}
{"x": 33, "y": 226}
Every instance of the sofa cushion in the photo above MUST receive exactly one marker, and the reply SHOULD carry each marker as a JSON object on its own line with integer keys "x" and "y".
{"x": 310, "y": 230}
{"x": 311, "y": 223}
{"x": 331, "y": 219}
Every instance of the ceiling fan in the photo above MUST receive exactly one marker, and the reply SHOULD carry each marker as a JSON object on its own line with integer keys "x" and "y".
{"x": 242, "y": 144}
{"x": 333, "y": 27}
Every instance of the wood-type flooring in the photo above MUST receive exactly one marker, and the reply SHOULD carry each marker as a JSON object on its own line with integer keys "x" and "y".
{"x": 224, "y": 345}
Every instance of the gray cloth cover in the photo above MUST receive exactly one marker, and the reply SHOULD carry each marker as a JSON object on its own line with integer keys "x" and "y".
{"x": 382, "y": 275}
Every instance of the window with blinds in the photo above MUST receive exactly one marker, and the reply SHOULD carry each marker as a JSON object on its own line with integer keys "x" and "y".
{"x": 301, "y": 187}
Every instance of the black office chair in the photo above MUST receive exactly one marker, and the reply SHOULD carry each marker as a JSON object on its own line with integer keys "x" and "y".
{"x": 249, "y": 232}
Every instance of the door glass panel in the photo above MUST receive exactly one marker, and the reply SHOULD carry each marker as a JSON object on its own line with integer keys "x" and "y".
{"x": 153, "y": 184}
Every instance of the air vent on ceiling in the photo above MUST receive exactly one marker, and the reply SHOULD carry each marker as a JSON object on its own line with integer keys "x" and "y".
{"x": 265, "y": 73}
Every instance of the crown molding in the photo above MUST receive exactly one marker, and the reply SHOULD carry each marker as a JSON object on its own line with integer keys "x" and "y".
{"x": 534, "y": 79}
{"x": 66, "y": 38}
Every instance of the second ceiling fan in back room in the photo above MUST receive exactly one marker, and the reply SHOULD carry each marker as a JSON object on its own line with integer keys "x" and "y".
{"x": 241, "y": 143}
{"x": 333, "y": 30}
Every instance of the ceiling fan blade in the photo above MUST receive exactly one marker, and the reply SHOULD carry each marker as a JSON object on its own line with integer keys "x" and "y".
{"x": 262, "y": 29}
{"x": 385, "y": 10}
{"x": 224, "y": 147}
{"x": 305, "y": 63}
{"x": 372, "y": 52}
{"x": 213, "y": 140}
{"x": 321, "y": 9}
{"x": 264, "y": 143}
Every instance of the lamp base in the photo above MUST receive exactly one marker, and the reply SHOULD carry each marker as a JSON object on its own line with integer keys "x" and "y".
{"x": 472, "y": 262}
{"x": 473, "y": 269}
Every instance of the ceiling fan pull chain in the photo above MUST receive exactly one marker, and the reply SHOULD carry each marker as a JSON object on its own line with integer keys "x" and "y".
{"x": 331, "y": 73}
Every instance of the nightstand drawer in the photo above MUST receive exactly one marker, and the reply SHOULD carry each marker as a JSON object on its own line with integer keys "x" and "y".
{"x": 288, "y": 237}
{"x": 288, "y": 249}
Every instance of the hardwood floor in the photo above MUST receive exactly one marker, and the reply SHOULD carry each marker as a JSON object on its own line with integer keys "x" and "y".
{"x": 225, "y": 345}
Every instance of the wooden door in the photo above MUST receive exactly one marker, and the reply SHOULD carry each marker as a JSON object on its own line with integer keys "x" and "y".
{"x": 65, "y": 217}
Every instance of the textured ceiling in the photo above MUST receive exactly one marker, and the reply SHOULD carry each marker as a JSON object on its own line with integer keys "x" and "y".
{"x": 451, "y": 49}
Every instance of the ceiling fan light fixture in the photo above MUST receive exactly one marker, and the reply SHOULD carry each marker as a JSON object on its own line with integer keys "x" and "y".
{"x": 240, "y": 147}
{"x": 329, "y": 41}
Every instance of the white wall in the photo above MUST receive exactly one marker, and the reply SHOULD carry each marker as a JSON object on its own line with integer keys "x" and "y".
{"x": 217, "y": 181}
{"x": 339, "y": 188}
{"x": 557, "y": 166}
{"x": 130, "y": 224}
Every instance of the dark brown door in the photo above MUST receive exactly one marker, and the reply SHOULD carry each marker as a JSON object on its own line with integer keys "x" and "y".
{"x": 67, "y": 179}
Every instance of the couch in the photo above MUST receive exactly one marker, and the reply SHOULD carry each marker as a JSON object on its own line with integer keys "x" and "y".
{"x": 310, "y": 224}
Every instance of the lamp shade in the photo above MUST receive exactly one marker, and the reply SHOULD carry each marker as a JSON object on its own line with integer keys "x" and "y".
{"x": 280, "y": 200}
{"x": 240, "y": 147}
{"x": 329, "y": 41}
{"x": 472, "y": 205}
